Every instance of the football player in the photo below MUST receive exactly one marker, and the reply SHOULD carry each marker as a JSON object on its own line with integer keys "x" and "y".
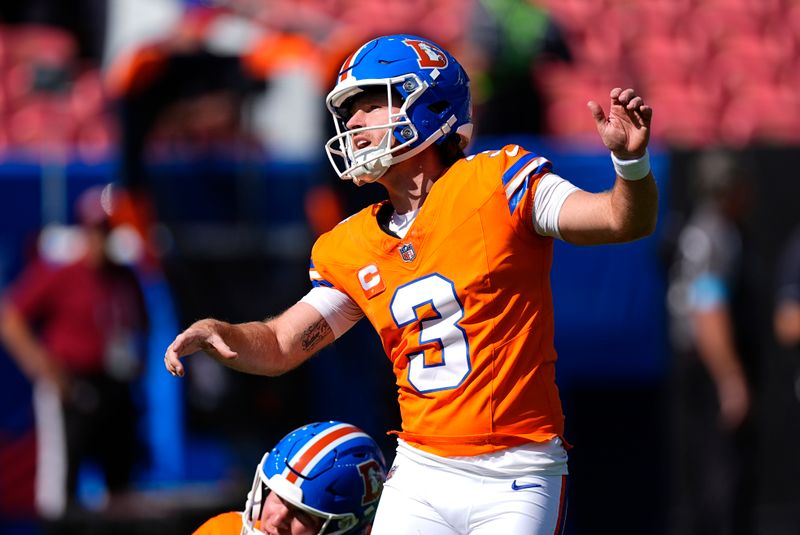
{"x": 323, "y": 478}
{"x": 452, "y": 270}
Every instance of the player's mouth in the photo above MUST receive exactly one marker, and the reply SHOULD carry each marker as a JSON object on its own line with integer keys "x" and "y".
{"x": 361, "y": 143}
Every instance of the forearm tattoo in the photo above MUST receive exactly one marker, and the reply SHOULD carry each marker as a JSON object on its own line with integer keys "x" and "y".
{"x": 314, "y": 334}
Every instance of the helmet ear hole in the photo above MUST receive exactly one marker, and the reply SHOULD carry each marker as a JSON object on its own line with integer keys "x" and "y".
{"x": 439, "y": 107}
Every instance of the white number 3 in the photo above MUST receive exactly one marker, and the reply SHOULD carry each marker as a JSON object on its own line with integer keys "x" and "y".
{"x": 428, "y": 374}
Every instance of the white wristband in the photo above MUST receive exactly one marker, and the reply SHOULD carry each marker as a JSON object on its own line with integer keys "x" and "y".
{"x": 632, "y": 169}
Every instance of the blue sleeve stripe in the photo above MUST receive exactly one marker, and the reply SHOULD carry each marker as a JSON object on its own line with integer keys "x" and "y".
{"x": 519, "y": 185}
{"x": 321, "y": 282}
{"x": 512, "y": 171}
{"x": 515, "y": 199}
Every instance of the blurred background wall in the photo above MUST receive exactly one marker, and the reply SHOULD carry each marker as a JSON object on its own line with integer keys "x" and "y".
{"x": 210, "y": 116}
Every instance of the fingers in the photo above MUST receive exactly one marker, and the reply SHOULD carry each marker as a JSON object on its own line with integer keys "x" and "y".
{"x": 172, "y": 363}
{"x": 633, "y": 104}
{"x": 647, "y": 113}
{"x": 172, "y": 357}
{"x": 597, "y": 112}
{"x": 191, "y": 341}
{"x": 627, "y": 99}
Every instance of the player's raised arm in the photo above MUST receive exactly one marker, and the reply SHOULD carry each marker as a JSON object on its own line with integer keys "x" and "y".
{"x": 270, "y": 347}
{"x": 628, "y": 211}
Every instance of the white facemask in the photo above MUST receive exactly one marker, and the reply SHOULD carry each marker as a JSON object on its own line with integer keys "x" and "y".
{"x": 371, "y": 163}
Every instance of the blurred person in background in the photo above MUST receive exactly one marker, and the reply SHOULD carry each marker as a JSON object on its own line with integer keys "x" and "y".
{"x": 324, "y": 477}
{"x": 180, "y": 94}
{"x": 506, "y": 40}
{"x": 786, "y": 318}
{"x": 75, "y": 324}
{"x": 712, "y": 304}
{"x": 453, "y": 272}
{"x": 787, "y": 311}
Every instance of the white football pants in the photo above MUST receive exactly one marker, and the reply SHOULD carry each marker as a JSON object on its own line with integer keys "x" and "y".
{"x": 422, "y": 500}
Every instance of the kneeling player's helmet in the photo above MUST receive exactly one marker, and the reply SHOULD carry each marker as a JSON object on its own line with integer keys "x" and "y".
{"x": 331, "y": 470}
{"x": 435, "y": 102}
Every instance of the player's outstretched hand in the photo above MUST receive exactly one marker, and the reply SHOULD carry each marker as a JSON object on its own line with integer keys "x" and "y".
{"x": 626, "y": 129}
{"x": 203, "y": 336}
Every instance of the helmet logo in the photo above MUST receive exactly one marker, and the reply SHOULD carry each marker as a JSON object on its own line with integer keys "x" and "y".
{"x": 429, "y": 56}
{"x": 372, "y": 476}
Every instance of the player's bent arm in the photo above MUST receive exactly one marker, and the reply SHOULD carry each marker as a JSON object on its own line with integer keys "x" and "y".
{"x": 625, "y": 213}
{"x": 270, "y": 347}
{"x": 787, "y": 323}
{"x": 717, "y": 351}
{"x": 27, "y": 351}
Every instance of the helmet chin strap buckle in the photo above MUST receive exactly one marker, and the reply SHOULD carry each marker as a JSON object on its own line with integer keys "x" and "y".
{"x": 447, "y": 127}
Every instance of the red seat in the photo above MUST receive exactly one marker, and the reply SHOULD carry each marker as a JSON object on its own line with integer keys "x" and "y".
{"x": 743, "y": 58}
{"x": 88, "y": 97}
{"x": 41, "y": 122}
{"x": 576, "y": 14}
{"x": 39, "y": 43}
{"x": 95, "y": 139}
{"x": 566, "y": 111}
{"x": 685, "y": 115}
{"x": 600, "y": 50}
{"x": 660, "y": 17}
{"x": 762, "y": 113}
{"x": 37, "y": 58}
{"x": 568, "y": 116}
{"x": 670, "y": 58}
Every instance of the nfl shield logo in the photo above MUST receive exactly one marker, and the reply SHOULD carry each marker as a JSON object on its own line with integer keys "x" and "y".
{"x": 407, "y": 252}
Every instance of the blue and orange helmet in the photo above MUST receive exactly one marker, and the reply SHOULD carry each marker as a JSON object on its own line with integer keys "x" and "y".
{"x": 435, "y": 103}
{"x": 331, "y": 470}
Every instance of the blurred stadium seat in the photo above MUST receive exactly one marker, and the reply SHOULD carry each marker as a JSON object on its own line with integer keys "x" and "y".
{"x": 645, "y": 44}
{"x": 766, "y": 113}
{"x": 716, "y": 47}
{"x": 688, "y": 114}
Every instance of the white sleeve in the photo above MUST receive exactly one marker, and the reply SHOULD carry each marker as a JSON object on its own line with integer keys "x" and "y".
{"x": 548, "y": 199}
{"x": 336, "y": 307}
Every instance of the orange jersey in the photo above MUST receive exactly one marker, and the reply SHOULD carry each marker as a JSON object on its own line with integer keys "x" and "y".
{"x": 462, "y": 305}
{"x": 223, "y": 524}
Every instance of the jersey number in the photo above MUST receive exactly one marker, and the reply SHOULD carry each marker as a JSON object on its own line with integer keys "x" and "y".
{"x": 440, "y": 328}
